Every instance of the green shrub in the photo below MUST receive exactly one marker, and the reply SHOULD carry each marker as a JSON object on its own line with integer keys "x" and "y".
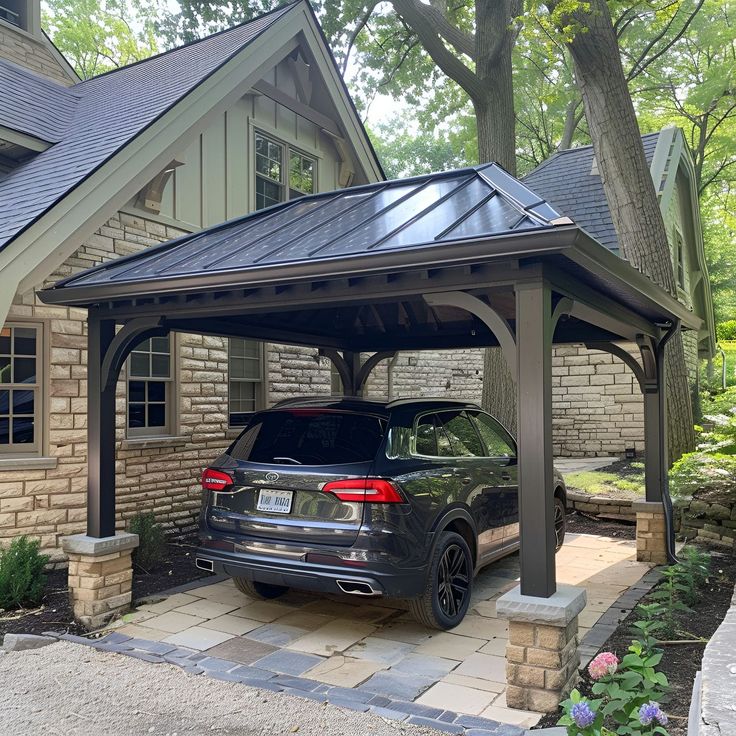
{"x": 726, "y": 330}
{"x": 719, "y": 403}
{"x": 711, "y": 476}
{"x": 151, "y": 541}
{"x": 22, "y": 580}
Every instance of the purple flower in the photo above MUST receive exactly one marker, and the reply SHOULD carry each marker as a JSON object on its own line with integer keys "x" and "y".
{"x": 582, "y": 714}
{"x": 650, "y": 712}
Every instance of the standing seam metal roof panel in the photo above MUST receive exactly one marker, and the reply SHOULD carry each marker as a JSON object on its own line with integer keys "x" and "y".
{"x": 479, "y": 202}
{"x": 122, "y": 103}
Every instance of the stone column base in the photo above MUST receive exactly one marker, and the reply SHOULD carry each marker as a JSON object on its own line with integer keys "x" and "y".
{"x": 542, "y": 654}
{"x": 100, "y": 576}
{"x": 651, "y": 532}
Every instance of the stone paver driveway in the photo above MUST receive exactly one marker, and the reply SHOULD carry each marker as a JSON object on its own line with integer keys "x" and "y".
{"x": 371, "y": 651}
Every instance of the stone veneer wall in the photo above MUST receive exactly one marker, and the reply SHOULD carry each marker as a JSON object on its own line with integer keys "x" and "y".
{"x": 710, "y": 522}
{"x": 31, "y": 53}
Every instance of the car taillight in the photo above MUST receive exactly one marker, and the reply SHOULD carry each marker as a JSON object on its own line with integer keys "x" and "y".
{"x": 372, "y": 490}
{"x": 216, "y": 480}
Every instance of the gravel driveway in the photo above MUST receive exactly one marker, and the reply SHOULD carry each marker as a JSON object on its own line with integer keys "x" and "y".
{"x": 69, "y": 689}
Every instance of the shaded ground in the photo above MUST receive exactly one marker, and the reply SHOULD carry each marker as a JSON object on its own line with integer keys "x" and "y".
{"x": 74, "y": 690}
{"x": 578, "y": 523}
{"x": 680, "y": 661}
{"x": 55, "y": 611}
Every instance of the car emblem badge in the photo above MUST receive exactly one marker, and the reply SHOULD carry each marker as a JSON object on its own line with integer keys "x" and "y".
{"x": 272, "y": 476}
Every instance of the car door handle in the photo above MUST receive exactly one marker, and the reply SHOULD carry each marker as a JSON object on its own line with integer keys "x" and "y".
{"x": 505, "y": 476}
{"x": 465, "y": 481}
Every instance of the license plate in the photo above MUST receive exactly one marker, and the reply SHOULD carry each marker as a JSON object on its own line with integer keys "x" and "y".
{"x": 275, "y": 502}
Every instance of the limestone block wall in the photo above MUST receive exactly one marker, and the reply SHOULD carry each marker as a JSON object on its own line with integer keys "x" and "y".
{"x": 31, "y": 53}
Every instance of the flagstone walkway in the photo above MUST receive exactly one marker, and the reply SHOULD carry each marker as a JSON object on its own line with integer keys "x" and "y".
{"x": 371, "y": 652}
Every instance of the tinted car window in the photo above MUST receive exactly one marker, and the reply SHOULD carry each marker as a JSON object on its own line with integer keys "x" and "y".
{"x": 309, "y": 437}
{"x": 494, "y": 436}
{"x": 462, "y": 434}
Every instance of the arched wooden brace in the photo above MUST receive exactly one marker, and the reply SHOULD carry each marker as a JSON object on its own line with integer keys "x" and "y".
{"x": 484, "y": 312}
{"x": 106, "y": 353}
{"x": 352, "y": 374}
{"x": 623, "y": 355}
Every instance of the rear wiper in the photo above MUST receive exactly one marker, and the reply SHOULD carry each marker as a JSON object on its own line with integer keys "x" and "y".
{"x": 287, "y": 459}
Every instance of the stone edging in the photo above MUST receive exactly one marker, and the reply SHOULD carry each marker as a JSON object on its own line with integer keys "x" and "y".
{"x": 600, "y": 505}
{"x": 197, "y": 663}
{"x": 604, "y": 627}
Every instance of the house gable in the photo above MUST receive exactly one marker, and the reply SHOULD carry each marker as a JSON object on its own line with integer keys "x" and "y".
{"x": 49, "y": 238}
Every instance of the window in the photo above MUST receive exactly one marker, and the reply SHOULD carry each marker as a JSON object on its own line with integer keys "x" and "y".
{"x": 447, "y": 434}
{"x": 679, "y": 259}
{"x": 246, "y": 385}
{"x": 495, "y": 438}
{"x": 272, "y": 184}
{"x": 20, "y": 388}
{"x": 150, "y": 389}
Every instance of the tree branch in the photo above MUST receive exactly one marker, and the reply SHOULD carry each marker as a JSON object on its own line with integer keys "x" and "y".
{"x": 362, "y": 23}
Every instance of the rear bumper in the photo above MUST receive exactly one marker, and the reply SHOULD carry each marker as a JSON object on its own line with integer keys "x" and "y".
{"x": 383, "y": 579}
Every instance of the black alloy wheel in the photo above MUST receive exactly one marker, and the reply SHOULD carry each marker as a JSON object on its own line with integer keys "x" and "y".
{"x": 560, "y": 517}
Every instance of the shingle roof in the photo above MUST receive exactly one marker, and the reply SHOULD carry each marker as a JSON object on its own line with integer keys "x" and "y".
{"x": 474, "y": 203}
{"x": 33, "y": 105}
{"x": 121, "y": 103}
{"x": 566, "y": 182}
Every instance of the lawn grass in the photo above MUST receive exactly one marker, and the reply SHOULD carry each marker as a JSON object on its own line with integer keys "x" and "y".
{"x": 606, "y": 483}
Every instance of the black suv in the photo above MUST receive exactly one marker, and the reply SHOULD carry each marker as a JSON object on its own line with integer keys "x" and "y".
{"x": 405, "y": 499}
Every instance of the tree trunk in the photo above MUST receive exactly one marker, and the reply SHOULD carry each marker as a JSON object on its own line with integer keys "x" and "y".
{"x": 499, "y": 389}
{"x": 629, "y": 188}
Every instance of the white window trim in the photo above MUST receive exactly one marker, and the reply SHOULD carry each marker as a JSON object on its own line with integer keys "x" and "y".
{"x": 41, "y": 405}
{"x": 143, "y": 434}
{"x": 262, "y": 390}
{"x": 288, "y": 145}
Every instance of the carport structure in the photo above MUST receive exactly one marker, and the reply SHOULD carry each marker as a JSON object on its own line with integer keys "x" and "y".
{"x": 462, "y": 259}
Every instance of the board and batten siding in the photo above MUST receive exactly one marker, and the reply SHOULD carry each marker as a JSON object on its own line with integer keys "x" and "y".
{"x": 216, "y": 181}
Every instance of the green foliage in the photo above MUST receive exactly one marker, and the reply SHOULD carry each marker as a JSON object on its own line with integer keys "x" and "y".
{"x": 671, "y": 594}
{"x": 21, "y": 573}
{"x": 648, "y": 626}
{"x": 99, "y": 35}
{"x": 151, "y": 541}
{"x": 692, "y": 571}
{"x": 726, "y": 330}
{"x": 709, "y": 476}
{"x": 600, "y": 482}
{"x": 721, "y": 402}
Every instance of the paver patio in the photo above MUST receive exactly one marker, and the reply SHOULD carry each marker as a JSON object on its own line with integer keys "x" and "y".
{"x": 373, "y": 650}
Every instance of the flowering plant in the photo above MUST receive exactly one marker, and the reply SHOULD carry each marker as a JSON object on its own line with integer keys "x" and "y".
{"x": 630, "y": 691}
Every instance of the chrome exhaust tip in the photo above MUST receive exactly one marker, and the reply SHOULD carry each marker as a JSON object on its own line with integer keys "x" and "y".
{"x": 352, "y": 587}
{"x": 207, "y": 565}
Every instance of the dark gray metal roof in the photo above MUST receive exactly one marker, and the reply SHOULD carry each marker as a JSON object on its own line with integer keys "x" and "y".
{"x": 110, "y": 110}
{"x": 406, "y": 214}
{"x": 33, "y": 105}
{"x": 567, "y": 181}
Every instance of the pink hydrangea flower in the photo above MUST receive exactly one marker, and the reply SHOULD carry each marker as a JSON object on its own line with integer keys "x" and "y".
{"x": 605, "y": 663}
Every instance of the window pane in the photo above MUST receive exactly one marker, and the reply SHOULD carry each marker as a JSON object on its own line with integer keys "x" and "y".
{"x": 444, "y": 446}
{"x": 426, "y": 443}
{"x": 136, "y": 415}
{"x": 136, "y": 391}
{"x": 4, "y": 370}
{"x": 139, "y": 364}
{"x": 22, "y": 402}
{"x": 22, "y": 430}
{"x": 156, "y": 391}
{"x": 301, "y": 173}
{"x": 143, "y": 347}
{"x": 5, "y": 341}
{"x": 237, "y": 367}
{"x": 251, "y": 348}
{"x": 160, "y": 344}
{"x": 251, "y": 369}
{"x": 156, "y": 415}
{"x": 24, "y": 340}
{"x": 160, "y": 365}
{"x": 4, "y": 402}
{"x": 24, "y": 370}
{"x": 493, "y": 435}
{"x": 4, "y": 431}
{"x": 463, "y": 437}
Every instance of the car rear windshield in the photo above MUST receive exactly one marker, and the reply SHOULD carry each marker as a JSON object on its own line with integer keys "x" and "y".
{"x": 310, "y": 437}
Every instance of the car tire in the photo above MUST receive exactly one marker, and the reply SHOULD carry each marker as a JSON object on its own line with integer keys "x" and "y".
{"x": 263, "y": 591}
{"x": 560, "y": 517}
{"x": 444, "y": 603}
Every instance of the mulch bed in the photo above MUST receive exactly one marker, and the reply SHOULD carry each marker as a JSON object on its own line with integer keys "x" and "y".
{"x": 579, "y": 523}
{"x": 55, "y": 612}
{"x": 680, "y": 661}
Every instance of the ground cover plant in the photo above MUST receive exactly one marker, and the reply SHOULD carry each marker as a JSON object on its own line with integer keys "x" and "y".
{"x": 22, "y": 577}
{"x": 622, "y": 479}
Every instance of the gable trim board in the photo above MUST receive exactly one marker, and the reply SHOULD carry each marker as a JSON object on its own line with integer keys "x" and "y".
{"x": 31, "y": 255}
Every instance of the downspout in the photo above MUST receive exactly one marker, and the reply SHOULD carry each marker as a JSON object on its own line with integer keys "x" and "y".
{"x": 663, "y": 450}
